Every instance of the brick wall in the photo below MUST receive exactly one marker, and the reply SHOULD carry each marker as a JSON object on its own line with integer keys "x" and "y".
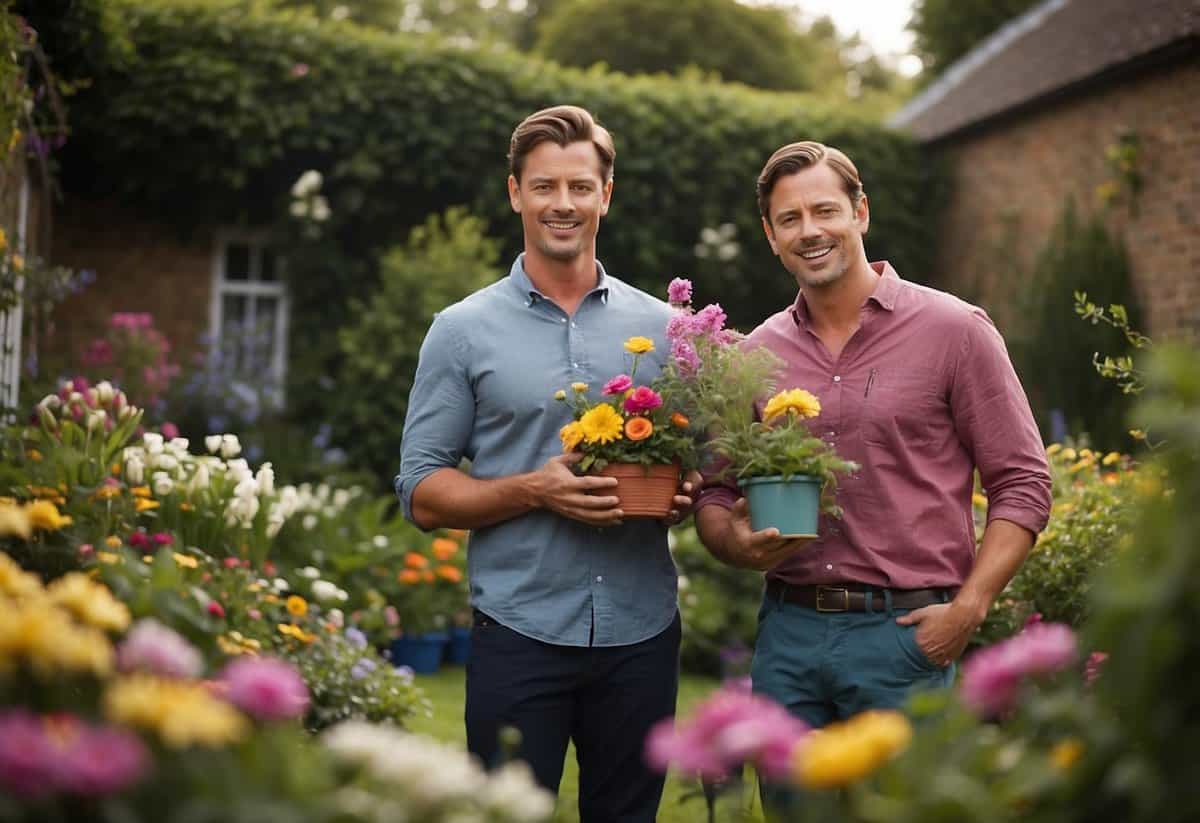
{"x": 1011, "y": 181}
{"x": 140, "y": 266}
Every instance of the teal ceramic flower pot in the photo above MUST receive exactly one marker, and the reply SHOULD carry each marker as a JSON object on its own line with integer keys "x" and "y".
{"x": 792, "y": 506}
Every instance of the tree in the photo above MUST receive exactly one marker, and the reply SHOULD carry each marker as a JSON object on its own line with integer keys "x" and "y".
{"x": 760, "y": 47}
{"x": 947, "y": 29}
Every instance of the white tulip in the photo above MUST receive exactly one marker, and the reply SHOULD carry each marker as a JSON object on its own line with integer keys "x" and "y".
{"x": 179, "y": 446}
{"x": 247, "y": 489}
{"x": 164, "y": 461}
{"x": 105, "y": 392}
{"x": 200, "y": 479}
{"x": 212, "y": 443}
{"x": 95, "y": 419}
{"x": 135, "y": 471}
{"x": 274, "y": 524}
{"x": 152, "y": 442}
{"x": 265, "y": 479}
{"x": 323, "y": 492}
{"x": 309, "y": 522}
{"x": 340, "y": 498}
{"x": 163, "y": 484}
{"x": 93, "y": 397}
{"x": 51, "y": 401}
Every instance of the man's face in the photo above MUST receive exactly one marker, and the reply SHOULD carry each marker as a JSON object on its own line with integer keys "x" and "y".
{"x": 814, "y": 228}
{"x": 561, "y": 198}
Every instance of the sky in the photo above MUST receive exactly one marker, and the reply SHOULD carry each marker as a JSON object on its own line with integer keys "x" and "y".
{"x": 880, "y": 22}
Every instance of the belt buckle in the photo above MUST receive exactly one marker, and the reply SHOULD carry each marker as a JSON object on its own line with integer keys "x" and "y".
{"x": 823, "y": 590}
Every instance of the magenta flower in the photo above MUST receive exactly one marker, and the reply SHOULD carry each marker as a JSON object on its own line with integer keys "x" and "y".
{"x": 265, "y": 687}
{"x": 169, "y": 430}
{"x": 642, "y": 400}
{"x": 103, "y": 761}
{"x": 619, "y": 384}
{"x": 686, "y": 358}
{"x": 992, "y": 677}
{"x": 162, "y": 538}
{"x": 679, "y": 292}
{"x": 28, "y": 762}
{"x": 151, "y": 646}
{"x": 710, "y": 319}
{"x": 732, "y": 727}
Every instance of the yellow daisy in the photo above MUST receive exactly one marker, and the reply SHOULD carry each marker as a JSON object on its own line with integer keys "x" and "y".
{"x": 792, "y": 401}
{"x": 571, "y": 436}
{"x": 297, "y": 606}
{"x": 601, "y": 424}
{"x": 639, "y": 345}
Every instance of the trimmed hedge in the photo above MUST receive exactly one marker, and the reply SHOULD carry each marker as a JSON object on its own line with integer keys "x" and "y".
{"x": 223, "y": 104}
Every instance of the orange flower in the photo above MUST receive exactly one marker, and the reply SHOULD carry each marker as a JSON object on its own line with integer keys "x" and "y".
{"x": 409, "y": 576}
{"x": 638, "y": 428}
{"x": 679, "y": 421}
{"x": 444, "y": 548}
{"x": 450, "y": 573}
{"x": 416, "y": 561}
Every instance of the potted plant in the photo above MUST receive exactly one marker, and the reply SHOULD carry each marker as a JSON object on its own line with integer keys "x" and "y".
{"x": 785, "y": 471}
{"x": 635, "y": 433}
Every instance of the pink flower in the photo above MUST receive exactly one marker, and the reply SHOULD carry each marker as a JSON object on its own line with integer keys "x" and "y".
{"x": 686, "y": 358}
{"x": 1033, "y": 619}
{"x": 138, "y": 540}
{"x": 103, "y": 761}
{"x": 265, "y": 687}
{"x": 28, "y": 762}
{"x": 710, "y": 319}
{"x": 732, "y": 727}
{"x": 642, "y": 400}
{"x": 619, "y": 384}
{"x": 162, "y": 538}
{"x": 151, "y": 646}
{"x": 86, "y": 551}
{"x": 215, "y": 609}
{"x": 230, "y": 563}
{"x": 992, "y": 677}
{"x": 169, "y": 430}
{"x": 300, "y": 70}
{"x": 254, "y": 614}
{"x": 1092, "y": 668}
{"x": 679, "y": 292}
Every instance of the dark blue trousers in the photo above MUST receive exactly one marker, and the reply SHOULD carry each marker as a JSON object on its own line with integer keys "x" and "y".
{"x": 604, "y": 699}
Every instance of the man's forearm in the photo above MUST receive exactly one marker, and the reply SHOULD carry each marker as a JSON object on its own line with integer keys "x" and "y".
{"x": 713, "y": 527}
{"x": 452, "y": 499}
{"x": 1004, "y": 548}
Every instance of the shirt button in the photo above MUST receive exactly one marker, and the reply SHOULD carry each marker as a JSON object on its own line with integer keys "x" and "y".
{"x": 599, "y": 578}
{"x": 562, "y": 320}
{"x": 837, "y": 378}
{"x": 572, "y": 324}
{"x": 574, "y": 365}
{"x": 831, "y": 434}
{"x": 829, "y": 567}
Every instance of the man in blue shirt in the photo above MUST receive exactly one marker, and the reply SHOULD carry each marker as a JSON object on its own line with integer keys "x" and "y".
{"x": 576, "y": 631}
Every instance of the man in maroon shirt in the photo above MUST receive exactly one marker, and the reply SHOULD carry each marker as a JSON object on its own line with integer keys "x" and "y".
{"x": 917, "y": 388}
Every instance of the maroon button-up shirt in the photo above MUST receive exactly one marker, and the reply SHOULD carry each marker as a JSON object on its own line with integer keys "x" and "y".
{"x": 921, "y": 395}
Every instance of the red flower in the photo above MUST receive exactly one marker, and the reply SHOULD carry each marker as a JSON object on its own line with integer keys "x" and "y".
{"x": 162, "y": 538}
{"x": 231, "y": 562}
{"x": 216, "y": 609}
{"x": 138, "y": 540}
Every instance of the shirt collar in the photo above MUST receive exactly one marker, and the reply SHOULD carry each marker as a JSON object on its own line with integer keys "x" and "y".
{"x": 884, "y": 293}
{"x": 531, "y": 295}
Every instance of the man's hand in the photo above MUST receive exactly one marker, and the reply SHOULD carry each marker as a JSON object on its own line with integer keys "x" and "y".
{"x": 579, "y": 497}
{"x": 943, "y": 630}
{"x": 760, "y": 550}
{"x": 683, "y": 502}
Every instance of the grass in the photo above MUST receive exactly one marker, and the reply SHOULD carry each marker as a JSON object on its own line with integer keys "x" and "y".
{"x": 446, "y": 691}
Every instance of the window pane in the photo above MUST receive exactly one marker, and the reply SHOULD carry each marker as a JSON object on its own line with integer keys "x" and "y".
{"x": 237, "y": 262}
{"x": 267, "y": 272}
{"x": 266, "y": 310}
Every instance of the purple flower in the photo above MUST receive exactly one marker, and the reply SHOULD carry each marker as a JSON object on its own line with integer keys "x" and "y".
{"x": 619, "y": 384}
{"x": 362, "y": 668}
{"x": 103, "y": 761}
{"x": 151, "y": 646}
{"x": 992, "y": 677}
{"x": 28, "y": 761}
{"x": 686, "y": 358}
{"x": 642, "y": 400}
{"x": 356, "y": 638}
{"x": 732, "y": 727}
{"x": 679, "y": 292}
{"x": 265, "y": 687}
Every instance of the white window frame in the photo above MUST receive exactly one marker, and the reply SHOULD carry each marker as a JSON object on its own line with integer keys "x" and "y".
{"x": 252, "y": 288}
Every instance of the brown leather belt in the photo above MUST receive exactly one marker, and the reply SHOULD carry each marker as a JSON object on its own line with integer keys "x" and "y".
{"x": 852, "y": 597}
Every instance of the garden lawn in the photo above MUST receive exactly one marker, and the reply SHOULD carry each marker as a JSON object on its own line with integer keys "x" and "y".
{"x": 446, "y": 691}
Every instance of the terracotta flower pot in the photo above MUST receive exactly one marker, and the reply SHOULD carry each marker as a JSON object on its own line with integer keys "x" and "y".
{"x": 644, "y": 491}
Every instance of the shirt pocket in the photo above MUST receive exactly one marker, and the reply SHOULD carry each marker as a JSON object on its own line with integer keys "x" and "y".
{"x": 903, "y": 406}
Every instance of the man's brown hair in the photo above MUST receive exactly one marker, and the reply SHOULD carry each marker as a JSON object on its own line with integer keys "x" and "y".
{"x": 562, "y": 125}
{"x": 796, "y": 157}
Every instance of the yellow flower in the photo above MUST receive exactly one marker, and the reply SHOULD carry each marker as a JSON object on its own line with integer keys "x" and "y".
{"x": 112, "y": 541}
{"x": 14, "y": 520}
{"x": 108, "y": 557}
{"x": 1110, "y": 458}
{"x": 91, "y": 602}
{"x": 50, "y": 641}
{"x": 235, "y": 643}
{"x": 979, "y": 500}
{"x": 186, "y": 507}
{"x": 639, "y": 345}
{"x": 296, "y": 606}
{"x": 1065, "y": 753}
{"x": 3, "y": 236}
{"x": 560, "y": 395}
{"x": 187, "y": 561}
{"x": 1069, "y": 455}
{"x": 181, "y": 713}
{"x": 142, "y": 504}
{"x": 107, "y": 492}
{"x": 15, "y": 582}
{"x": 601, "y": 424}
{"x": 18, "y": 262}
{"x": 844, "y": 753}
{"x": 1053, "y": 449}
{"x": 141, "y": 491}
{"x": 288, "y": 630}
{"x": 579, "y": 388}
{"x": 792, "y": 401}
{"x": 34, "y": 455}
{"x": 1137, "y": 434}
{"x": 44, "y": 515}
{"x": 571, "y": 435}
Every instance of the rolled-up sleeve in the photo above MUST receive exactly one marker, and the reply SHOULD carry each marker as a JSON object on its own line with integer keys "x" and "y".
{"x": 994, "y": 422}
{"x": 441, "y": 411}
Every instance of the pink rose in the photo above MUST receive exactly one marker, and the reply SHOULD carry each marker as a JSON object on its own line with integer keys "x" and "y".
{"x": 642, "y": 400}
{"x": 619, "y": 384}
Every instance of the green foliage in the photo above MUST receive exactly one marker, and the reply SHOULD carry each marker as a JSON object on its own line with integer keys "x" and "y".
{"x": 1047, "y": 351}
{"x": 444, "y": 260}
{"x": 946, "y": 30}
{"x": 784, "y": 447}
{"x": 1120, "y": 368}
{"x": 230, "y": 103}
{"x": 758, "y": 46}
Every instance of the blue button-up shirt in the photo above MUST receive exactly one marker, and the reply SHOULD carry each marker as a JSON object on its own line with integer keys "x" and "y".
{"x": 484, "y": 390}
